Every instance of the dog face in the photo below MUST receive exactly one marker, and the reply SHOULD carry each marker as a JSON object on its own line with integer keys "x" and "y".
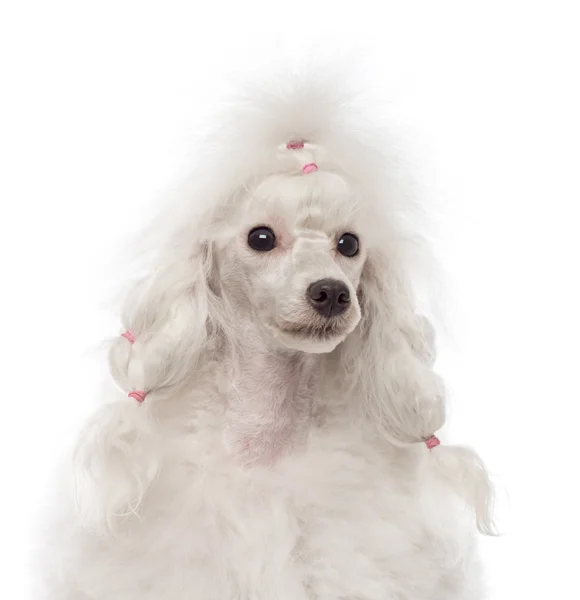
{"x": 296, "y": 259}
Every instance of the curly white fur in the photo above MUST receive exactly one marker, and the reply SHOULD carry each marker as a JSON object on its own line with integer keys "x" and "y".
{"x": 274, "y": 457}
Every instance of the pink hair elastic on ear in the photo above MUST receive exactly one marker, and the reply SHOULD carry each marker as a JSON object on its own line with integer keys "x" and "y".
{"x": 309, "y": 168}
{"x": 295, "y": 145}
{"x": 128, "y": 336}
{"x": 431, "y": 442}
{"x": 139, "y": 395}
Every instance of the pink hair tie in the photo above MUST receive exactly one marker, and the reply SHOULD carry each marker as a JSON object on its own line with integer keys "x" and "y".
{"x": 295, "y": 145}
{"x": 139, "y": 395}
{"x": 309, "y": 168}
{"x": 128, "y": 336}
{"x": 432, "y": 441}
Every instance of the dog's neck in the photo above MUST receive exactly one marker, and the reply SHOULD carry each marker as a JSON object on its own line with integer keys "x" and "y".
{"x": 270, "y": 391}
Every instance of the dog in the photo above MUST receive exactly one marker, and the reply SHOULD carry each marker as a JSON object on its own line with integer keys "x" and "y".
{"x": 273, "y": 435}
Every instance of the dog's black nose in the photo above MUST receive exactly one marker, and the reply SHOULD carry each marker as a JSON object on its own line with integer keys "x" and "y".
{"x": 329, "y": 297}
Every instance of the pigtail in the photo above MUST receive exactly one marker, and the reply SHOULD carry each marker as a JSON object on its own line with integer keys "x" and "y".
{"x": 167, "y": 324}
{"x": 390, "y": 356}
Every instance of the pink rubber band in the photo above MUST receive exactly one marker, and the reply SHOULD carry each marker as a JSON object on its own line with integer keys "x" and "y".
{"x": 128, "y": 336}
{"x": 295, "y": 145}
{"x": 139, "y": 395}
{"x": 309, "y": 168}
{"x": 432, "y": 441}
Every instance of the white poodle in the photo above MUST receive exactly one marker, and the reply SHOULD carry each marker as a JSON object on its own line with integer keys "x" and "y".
{"x": 274, "y": 437}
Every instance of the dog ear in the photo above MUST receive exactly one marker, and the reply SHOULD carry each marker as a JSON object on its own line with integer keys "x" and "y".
{"x": 390, "y": 358}
{"x": 168, "y": 318}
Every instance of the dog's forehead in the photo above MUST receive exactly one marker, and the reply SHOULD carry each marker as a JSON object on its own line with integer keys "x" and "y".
{"x": 318, "y": 201}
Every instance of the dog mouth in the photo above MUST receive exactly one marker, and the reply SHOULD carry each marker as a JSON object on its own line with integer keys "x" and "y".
{"x": 312, "y": 335}
{"x": 314, "y": 331}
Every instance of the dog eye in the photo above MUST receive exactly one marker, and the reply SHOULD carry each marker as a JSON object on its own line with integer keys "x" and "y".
{"x": 348, "y": 245}
{"x": 262, "y": 239}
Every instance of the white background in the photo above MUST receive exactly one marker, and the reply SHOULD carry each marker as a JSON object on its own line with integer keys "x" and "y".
{"x": 98, "y": 101}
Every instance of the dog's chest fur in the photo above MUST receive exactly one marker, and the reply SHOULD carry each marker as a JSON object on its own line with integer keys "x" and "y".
{"x": 340, "y": 518}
